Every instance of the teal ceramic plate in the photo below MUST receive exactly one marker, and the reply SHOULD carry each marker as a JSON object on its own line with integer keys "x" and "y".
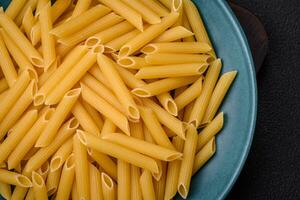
{"x": 216, "y": 179}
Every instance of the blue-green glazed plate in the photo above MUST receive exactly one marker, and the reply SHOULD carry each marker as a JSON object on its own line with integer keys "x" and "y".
{"x": 215, "y": 180}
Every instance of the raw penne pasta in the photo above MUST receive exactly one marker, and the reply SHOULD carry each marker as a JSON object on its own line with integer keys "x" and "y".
{"x": 19, "y": 192}
{"x": 95, "y": 183}
{"x": 29, "y": 139}
{"x": 3, "y": 85}
{"x": 7, "y": 65}
{"x": 187, "y": 163}
{"x": 129, "y": 79}
{"x": 96, "y": 73}
{"x": 146, "y": 148}
{"x": 28, "y": 21}
{"x": 172, "y": 58}
{"x": 202, "y": 101}
{"x": 156, "y": 7}
{"x": 163, "y": 85}
{"x": 167, "y": 71}
{"x": 105, "y": 108}
{"x": 14, "y": 8}
{"x": 190, "y": 94}
{"x": 44, "y": 170}
{"x": 13, "y": 178}
{"x": 73, "y": 76}
{"x": 204, "y": 155}
{"x": 18, "y": 132}
{"x": 47, "y": 39}
{"x": 159, "y": 186}
{"x": 187, "y": 111}
{"x": 173, "y": 34}
{"x": 30, "y": 3}
{"x": 168, "y": 103}
{"x": 176, "y": 47}
{"x": 81, "y": 168}
{"x": 136, "y": 192}
{"x": 81, "y": 7}
{"x": 177, "y": 7}
{"x": 147, "y": 14}
{"x": 61, "y": 155}
{"x": 18, "y": 108}
{"x": 58, "y": 117}
{"x": 26, "y": 47}
{"x": 43, "y": 154}
{"x": 96, "y": 116}
{"x": 147, "y": 35}
{"x": 67, "y": 177}
{"x": 117, "y": 85}
{"x": 166, "y": 3}
{"x": 186, "y": 24}
{"x": 52, "y": 182}
{"x": 147, "y": 185}
{"x": 124, "y": 180}
{"x": 132, "y": 62}
{"x": 30, "y": 194}
{"x": 108, "y": 187}
{"x": 151, "y": 122}
{"x": 173, "y": 171}
{"x": 74, "y": 192}
{"x": 125, "y": 11}
{"x": 210, "y": 130}
{"x": 76, "y": 23}
{"x": 95, "y": 27}
{"x": 117, "y": 151}
{"x": 39, "y": 187}
{"x": 48, "y": 73}
{"x": 84, "y": 119}
{"x": 5, "y": 190}
{"x": 218, "y": 94}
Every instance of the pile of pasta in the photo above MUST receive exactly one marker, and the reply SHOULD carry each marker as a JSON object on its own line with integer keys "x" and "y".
{"x": 106, "y": 99}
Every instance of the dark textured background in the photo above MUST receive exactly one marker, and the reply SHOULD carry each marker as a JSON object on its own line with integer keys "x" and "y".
{"x": 272, "y": 170}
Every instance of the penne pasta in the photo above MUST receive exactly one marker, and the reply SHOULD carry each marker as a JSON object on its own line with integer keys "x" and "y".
{"x": 186, "y": 169}
{"x": 74, "y": 192}
{"x": 44, "y": 170}
{"x": 61, "y": 155}
{"x": 14, "y": 178}
{"x": 132, "y": 62}
{"x": 147, "y": 186}
{"x": 28, "y": 21}
{"x": 125, "y": 11}
{"x": 19, "y": 193}
{"x": 96, "y": 73}
{"x": 172, "y": 58}
{"x": 148, "y": 35}
{"x": 159, "y": 186}
{"x": 3, "y": 85}
{"x": 117, "y": 85}
{"x": 58, "y": 117}
{"x": 81, "y": 7}
{"x": 202, "y": 101}
{"x": 187, "y": 25}
{"x": 81, "y": 168}
{"x": 39, "y": 188}
{"x": 163, "y": 85}
{"x": 143, "y": 147}
{"x": 166, "y": 3}
{"x": 170, "y": 71}
{"x": 30, "y": 3}
{"x": 218, "y": 94}
{"x": 176, "y": 47}
{"x": 108, "y": 187}
{"x": 117, "y": 151}
{"x": 168, "y": 103}
{"x": 95, "y": 183}
{"x": 124, "y": 180}
{"x": 173, "y": 34}
{"x": 5, "y": 190}
{"x": 136, "y": 192}
{"x": 52, "y": 182}
{"x": 14, "y": 8}
{"x": 30, "y": 194}
{"x": 48, "y": 72}
{"x": 156, "y": 7}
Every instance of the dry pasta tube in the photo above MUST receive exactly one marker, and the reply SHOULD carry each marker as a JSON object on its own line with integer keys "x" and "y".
{"x": 204, "y": 155}
{"x": 13, "y": 178}
{"x": 202, "y": 101}
{"x": 147, "y": 185}
{"x": 141, "y": 146}
{"x": 81, "y": 6}
{"x": 132, "y": 62}
{"x": 156, "y": 7}
{"x": 94, "y": 114}
{"x": 117, "y": 151}
{"x": 118, "y": 86}
{"x": 61, "y": 155}
{"x": 14, "y": 8}
{"x": 5, "y": 190}
{"x": 108, "y": 187}
{"x": 74, "y": 192}
{"x": 3, "y": 85}
{"x": 136, "y": 192}
{"x": 148, "y": 35}
{"x": 19, "y": 193}
{"x": 44, "y": 170}
{"x": 58, "y": 117}
{"x": 173, "y": 34}
{"x": 168, "y": 103}
{"x": 186, "y": 169}
{"x": 95, "y": 183}
{"x": 171, "y": 71}
{"x": 53, "y": 181}
{"x": 32, "y": 4}
{"x": 125, "y": 11}
{"x": 159, "y": 186}
{"x": 39, "y": 188}
{"x": 124, "y": 179}
{"x": 174, "y": 58}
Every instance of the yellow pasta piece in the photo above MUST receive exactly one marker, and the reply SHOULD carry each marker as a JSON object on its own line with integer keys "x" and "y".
{"x": 168, "y": 103}
{"x": 3, "y": 85}
{"x": 52, "y": 182}
{"x": 13, "y": 178}
{"x": 74, "y": 191}
{"x": 95, "y": 27}
{"x": 172, "y": 58}
{"x": 166, "y": 3}
{"x": 159, "y": 186}
{"x": 30, "y": 52}
{"x": 61, "y": 155}
{"x": 81, "y": 168}
{"x": 108, "y": 68}
{"x": 58, "y": 117}
{"x": 167, "y": 71}
{"x": 30, "y": 194}
{"x": 177, "y": 7}
{"x": 136, "y": 192}
{"x": 105, "y": 108}
{"x": 108, "y": 187}
{"x": 5, "y": 190}
{"x": 132, "y": 62}
{"x": 187, "y": 163}
{"x": 202, "y": 101}
{"x": 43, "y": 154}
{"x": 204, "y": 155}
{"x": 96, "y": 116}
{"x": 124, "y": 180}
{"x": 117, "y": 151}
{"x": 95, "y": 183}
{"x": 73, "y": 76}
{"x": 44, "y": 170}
{"x": 156, "y": 7}
{"x": 186, "y": 24}
{"x": 163, "y": 85}
{"x": 176, "y": 47}
{"x": 39, "y": 188}
{"x": 173, "y": 34}
{"x": 29, "y": 139}
{"x": 81, "y": 6}
{"x": 125, "y": 11}
{"x": 190, "y": 94}
{"x": 147, "y": 185}
{"x": 14, "y": 8}
{"x": 28, "y": 21}
{"x": 18, "y": 108}
{"x": 48, "y": 72}
{"x": 148, "y": 35}
{"x": 96, "y": 72}
{"x": 146, "y": 148}
{"x": 218, "y": 94}
{"x": 7, "y": 65}
{"x": 75, "y": 24}
{"x": 30, "y": 3}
